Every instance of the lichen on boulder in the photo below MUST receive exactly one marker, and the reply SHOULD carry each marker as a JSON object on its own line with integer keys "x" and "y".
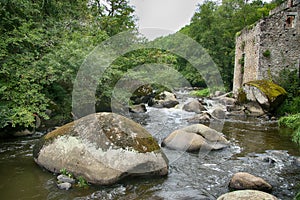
{"x": 103, "y": 148}
{"x": 268, "y": 94}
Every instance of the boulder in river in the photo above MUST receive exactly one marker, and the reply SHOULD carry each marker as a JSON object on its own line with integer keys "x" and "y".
{"x": 194, "y": 138}
{"x": 268, "y": 94}
{"x": 243, "y": 181}
{"x": 200, "y": 118}
{"x": 247, "y": 195}
{"x": 103, "y": 148}
{"x": 253, "y": 109}
{"x": 194, "y": 106}
{"x": 227, "y": 101}
{"x": 164, "y": 100}
{"x": 141, "y": 108}
{"x": 218, "y": 113}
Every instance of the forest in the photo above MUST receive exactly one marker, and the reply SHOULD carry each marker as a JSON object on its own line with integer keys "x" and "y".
{"x": 61, "y": 60}
{"x": 43, "y": 44}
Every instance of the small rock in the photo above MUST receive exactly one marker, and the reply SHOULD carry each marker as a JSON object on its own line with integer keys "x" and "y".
{"x": 141, "y": 108}
{"x": 227, "y": 101}
{"x": 24, "y": 132}
{"x": 243, "y": 181}
{"x": 218, "y": 113}
{"x": 273, "y": 118}
{"x": 194, "y": 106}
{"x": 164, "y": 100}
{"x": 269, "y": 160}
{"x": 63, "y": 178}
{"x": 64, "y": 186}
{"x": 297, "y": 161}
{"x": 247, "y": 195}
{"x": 254, "y": 109}
{"x": 203, "y": 117}
{"x": 219, "y": 93}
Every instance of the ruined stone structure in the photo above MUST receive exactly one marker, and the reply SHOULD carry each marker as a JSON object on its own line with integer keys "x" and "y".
{"x": 269, "y": 46}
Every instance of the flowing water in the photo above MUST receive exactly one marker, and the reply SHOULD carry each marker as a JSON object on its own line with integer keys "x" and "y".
{"x": 257, "y": 147}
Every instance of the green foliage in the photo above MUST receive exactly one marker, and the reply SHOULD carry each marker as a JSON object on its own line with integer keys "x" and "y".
{"x": 215, "y": 27}
{"x": 289, "y": 80}
{"x": 267, "y": 53}
{"x": 292, "y": 122}
{"x": 201, "y": 93}
{"x": 81, "y": 182}
{"x": 65, "y": 172}
{"x": 43, "y": 44}
{"x": 114, "y": 16}
{"x": 297, "y": 197}
{"x": 129, "y": 68}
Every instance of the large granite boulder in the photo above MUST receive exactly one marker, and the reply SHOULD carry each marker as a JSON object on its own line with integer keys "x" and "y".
{"x": 194, "y": 106}
{"x": 102, "y": 148}
{"x": 266, "y": 93}
{"x": 247, "y": 195}
{"x": 243, "y": 181}
{"x": 164, "y": 100}
{"x": 194, "y": 138}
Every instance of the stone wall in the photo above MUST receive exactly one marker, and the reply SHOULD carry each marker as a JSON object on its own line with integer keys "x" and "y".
{"x": 271, "y": 45}
{"x": 246, "y": 56}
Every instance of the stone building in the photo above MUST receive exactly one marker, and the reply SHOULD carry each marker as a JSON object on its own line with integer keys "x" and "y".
{"x": 269, "y": 46}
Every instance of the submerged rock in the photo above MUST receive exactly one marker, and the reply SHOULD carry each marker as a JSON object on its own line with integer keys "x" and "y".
{"x": 247, "y": 195}
{"x": 64, "y": 186}
{"x": 164, "y": 100}
{"x": 200, "y": 118}
{"x": 102, "y": 148}
{"x": 266, "y": 93}
{"x": 253, "y": 109}
{"x": 194, "y": 106}
{"x": 243, "y": 180}
{"x": 218, "y": 113}
{"x": 194, "y": 138}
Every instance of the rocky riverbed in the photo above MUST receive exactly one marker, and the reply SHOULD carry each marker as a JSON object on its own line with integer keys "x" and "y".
{"x": 257, "y": 146}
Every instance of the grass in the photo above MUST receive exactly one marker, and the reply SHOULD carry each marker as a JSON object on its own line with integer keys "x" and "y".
{"x": 292, "y": 122}
{"x": 201, "y": 93}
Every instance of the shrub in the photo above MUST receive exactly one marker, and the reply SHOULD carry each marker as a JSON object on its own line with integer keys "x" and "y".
{"x": 201, "y": 93}
{"x": 292, "y": 122}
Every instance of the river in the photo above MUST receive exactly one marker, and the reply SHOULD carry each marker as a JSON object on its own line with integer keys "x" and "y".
{"x": 257, "y": 146}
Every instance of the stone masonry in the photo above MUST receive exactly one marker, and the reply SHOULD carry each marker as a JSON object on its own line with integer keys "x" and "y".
{"x": 269, "y": 46}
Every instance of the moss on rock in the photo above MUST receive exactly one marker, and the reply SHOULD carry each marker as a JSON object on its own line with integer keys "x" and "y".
{"x": 270, "y": 89}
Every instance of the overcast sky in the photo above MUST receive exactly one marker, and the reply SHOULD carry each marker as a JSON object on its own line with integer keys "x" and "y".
{"x": 163, "y": 16}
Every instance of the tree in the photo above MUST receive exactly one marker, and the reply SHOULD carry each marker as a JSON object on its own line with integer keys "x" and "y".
{"x": 42, "y": 47}
{"x": 114, "y": 16}
{"x": 215, "y": 26}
